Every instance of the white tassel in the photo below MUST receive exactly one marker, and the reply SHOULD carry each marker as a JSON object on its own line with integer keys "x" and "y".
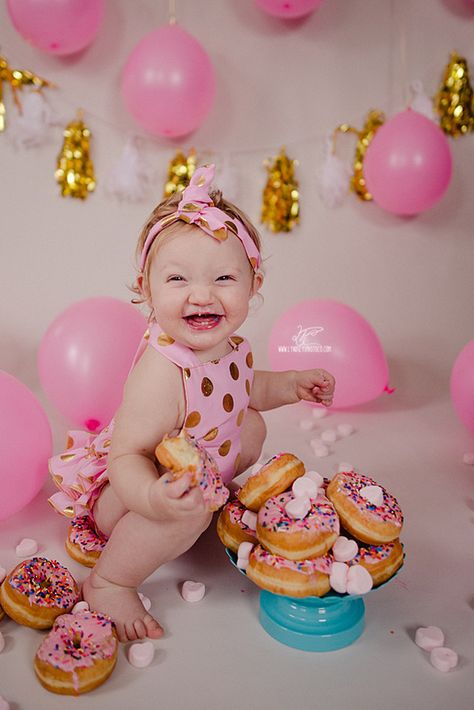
{"x": 131, "y": 175}
{"x": 421, "y": 102}
{"x": 29, "y": 128}
{"x": 227, "y": 179}
{"x": 333, "y": 177}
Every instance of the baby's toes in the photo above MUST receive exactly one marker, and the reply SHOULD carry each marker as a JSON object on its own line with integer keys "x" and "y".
{"x": 130, "y": 631}
{"x": 140, "y": 628}
{"x": 153, "y": 628}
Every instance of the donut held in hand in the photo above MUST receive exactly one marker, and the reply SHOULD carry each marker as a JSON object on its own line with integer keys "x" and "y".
{"x": 78, "y": 654}
{"x": 297, "y": 538}
{"x": 231, "y": 529}
{"x": 273, "y": 478}
{"x": 37, "y": 591}
{"x": 293, "y": 578}
{"x": 372, "y": 522}
{"x": 181, "y": 454}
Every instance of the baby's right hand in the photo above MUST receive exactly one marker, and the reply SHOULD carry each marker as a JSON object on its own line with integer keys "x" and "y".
{"x": 173, "y": 498}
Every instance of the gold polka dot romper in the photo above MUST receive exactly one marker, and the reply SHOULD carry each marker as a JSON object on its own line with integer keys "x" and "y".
{"x": 217, "y": 396}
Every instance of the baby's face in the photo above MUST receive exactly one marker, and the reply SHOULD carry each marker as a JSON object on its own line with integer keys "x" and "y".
{"x": 200, "y": 289}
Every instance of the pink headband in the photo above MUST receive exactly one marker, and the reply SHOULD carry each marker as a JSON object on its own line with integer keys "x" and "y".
{"x": 196, "y": 207}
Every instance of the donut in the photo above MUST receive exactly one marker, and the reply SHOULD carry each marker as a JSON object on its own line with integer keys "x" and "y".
{"x": 297, "y": 538}
{"x": 78, "y": 654}
{"x": 230, "y": 528}
{"x": 380, "y": 561}
{"x": 181, "y": 454}
{"x": 273, "y": 478}
{"x": 294, "y": 578}
{"x": 84, "y": 543}
{"x": 2, "y": 613}
{"x": 37, "y": 591}
{"x": 370, "y": 523}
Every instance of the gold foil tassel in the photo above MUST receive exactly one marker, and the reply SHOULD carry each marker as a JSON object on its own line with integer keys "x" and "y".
{"x": 373, "y": 122}
{"x": 454, "y": 100}
{"x": 281, "y": 198}
{"x": 180, "y": 171}
{"x": 17, "y": 79}
{"x": 75, "y": 170}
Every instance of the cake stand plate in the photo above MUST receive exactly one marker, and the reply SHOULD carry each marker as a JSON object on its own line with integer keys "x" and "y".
{"x": 311, "y": 623}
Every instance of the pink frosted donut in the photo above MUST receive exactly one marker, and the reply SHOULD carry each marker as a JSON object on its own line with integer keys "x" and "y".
{"x": 364, "y": 520}
{"x": 230, "y": 527}
{"x": 37, "y": 591}
{"x": 297, "y": 539}
{"x": 84, "y": 543}
{"x": 78, "y": 654}
{"x": 293, "y": 578}
{"x": 380, "y": 561}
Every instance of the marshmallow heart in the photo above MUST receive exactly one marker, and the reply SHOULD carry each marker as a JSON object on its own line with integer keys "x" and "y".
{"x": 345, "y": 467}
{"x": 193, "y": 591}
{"x": 468, "y": 459}
{"x": 249, "y": 519}
{"x": 319, "y": 450}
{"x": 145, "y": 601}
{"x": 305, "y": 487}
{"x": 245, "y": 548}
{"x": 374, "y": 494}
{"x": 344, "y": 549}
{"x": 242, "y": 563}
{"x": 80, "y": 606}
{"x": 338, "y": 577}
{"x": 429, "y": 637}
{"x": 329, "y": 435}
{"x": 359, "y": 580}
{"x": 298, "y": 508}
{"x": 319, "y": 412}
{"x": 443, "y": 659}
{"x": 316, "y": 477}
{"x": 141, "y": 655}
{"x": 306, "y": 424}
{"x": 345, "y": 429}
{"x": 26, "y": 548}
{"x": 4, "y": 704}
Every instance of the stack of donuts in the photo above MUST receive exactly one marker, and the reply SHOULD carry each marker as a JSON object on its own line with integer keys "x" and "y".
{"x": 80, "y": 651}
{"x": 298, "y": 534}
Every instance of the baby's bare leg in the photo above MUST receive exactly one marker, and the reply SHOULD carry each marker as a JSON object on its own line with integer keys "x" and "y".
{"x": 253, "y": 435}
{"x": 136, "y": 548}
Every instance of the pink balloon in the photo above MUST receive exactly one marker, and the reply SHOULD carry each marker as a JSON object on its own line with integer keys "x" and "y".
{"x": 408, "y": 164}
{"x": 289, "y": 8}
{"x": 330, "y": 335}
{"x": 168, "y": 82}
{"x": 85, "y": 356}
{"x": 26, "y": 444}
{"x": 462, "y": 385}
{"x": 57, "y": 26}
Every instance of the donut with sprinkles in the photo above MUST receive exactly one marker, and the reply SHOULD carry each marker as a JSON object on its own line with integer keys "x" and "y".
{"x": 380, "y": 561}
{"x": 369, "y": 522}
{"x": 294, "y": 578}
{"x": 231, "y": 528}
{"x": 84, "y": 543}
{"x": 297, "y": 538}
{"x": 78, "y": 654}
{"x": 37, "y": 591}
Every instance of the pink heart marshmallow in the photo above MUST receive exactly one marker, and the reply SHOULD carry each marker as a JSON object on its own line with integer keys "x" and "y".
{"x": 443, "y": 659}
{"x": 429, "y": 637}
{"x": 141, "y": 655}
{"x": 359, "y": 580}
{"x": 344, "y": 549}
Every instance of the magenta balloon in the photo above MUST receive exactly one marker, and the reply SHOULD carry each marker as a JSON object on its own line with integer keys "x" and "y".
{"x": 168, "y": 82}
{"x": 289, "y": 8}
{"x": 25, "y": 445}
{"x": 462, "y": 386}
{"x": 408, "y": 164}
{"x": 330, "y": 335}
{"x": 57, "y": 26}
{"x": 85, "y": 356}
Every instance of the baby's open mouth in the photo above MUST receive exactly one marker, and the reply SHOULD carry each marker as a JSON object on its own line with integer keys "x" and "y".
{"x": 203, "y": 321}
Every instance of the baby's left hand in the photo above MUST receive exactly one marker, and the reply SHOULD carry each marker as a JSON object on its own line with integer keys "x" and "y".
{"x": 315, "y": 386}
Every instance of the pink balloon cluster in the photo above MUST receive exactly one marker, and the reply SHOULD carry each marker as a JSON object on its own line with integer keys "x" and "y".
{"x": 289, "y": 8}
{"x": 25, "y": 445}
{"x": 330, "y": 335}
{"x": 57, "y": 26}
{"x": 408, "y": 164}
{"x": 462, "y": 385}
{"x": 168, "y": 82}
{"x": 85, "y": 356}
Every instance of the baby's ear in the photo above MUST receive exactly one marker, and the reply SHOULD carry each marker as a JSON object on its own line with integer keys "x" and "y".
{"x": 257, "y": 282}
{"x": 142, "y": 284}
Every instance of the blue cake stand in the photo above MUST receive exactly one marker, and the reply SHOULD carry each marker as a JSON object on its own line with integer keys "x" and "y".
{"x": 311, "y": 623}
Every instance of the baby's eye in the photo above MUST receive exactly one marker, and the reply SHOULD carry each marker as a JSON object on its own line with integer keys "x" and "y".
{"x": 226, "y": 277}
{"x": 175, "y": 278}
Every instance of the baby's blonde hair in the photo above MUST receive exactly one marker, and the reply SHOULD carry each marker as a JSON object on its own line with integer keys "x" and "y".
{"x": 168, "y": 207}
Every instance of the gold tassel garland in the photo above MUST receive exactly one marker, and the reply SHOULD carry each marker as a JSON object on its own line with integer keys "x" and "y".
{"x": 75, "y": 170}
{"x": 454, "y": 100}
{"x": 180, "y": 171}
{"x": 372, "y": 123}
{"x": 280, "y": 206}
{"x": 17, "y": 79}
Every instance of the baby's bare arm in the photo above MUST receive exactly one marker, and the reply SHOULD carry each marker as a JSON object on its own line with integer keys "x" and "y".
{"x": 152, "y": 406}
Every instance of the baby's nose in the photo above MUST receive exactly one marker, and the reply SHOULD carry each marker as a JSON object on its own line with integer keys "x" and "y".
{"x": 200, "y": 294}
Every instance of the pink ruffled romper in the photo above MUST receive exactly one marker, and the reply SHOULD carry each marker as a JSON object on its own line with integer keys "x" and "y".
{"x": 217, "y": 396}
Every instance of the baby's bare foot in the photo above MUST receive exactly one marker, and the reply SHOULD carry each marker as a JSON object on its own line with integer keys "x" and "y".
{"x": 123, "y": 605}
